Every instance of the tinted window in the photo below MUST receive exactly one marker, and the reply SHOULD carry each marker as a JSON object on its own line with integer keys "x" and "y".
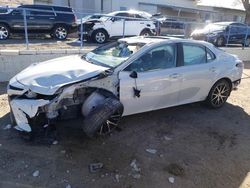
{"x": 159, "y": 58}
{"x": 193, "y": 54}
{"x": 41, "y": 12}
{"x": 124, "y": 15}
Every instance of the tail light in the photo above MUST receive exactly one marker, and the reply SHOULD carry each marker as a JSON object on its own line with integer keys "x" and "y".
{"x": 75, "y": 19}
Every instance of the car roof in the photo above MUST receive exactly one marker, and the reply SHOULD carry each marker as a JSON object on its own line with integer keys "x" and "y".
{"x": 64, "y": 8}
{"x": 159, "y": 39}
{"x": 227, "y": 23}
{"x": 131, "y": 12}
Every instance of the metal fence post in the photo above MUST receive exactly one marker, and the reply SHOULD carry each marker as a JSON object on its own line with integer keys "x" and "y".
{"x": 158, "y": 28}
{"x": 244, "y": 45}
{"x": 81, "y": 34}
{"x": 25, "y": 29}
{"x": 229, "y": 32}
{"x": 185, "y": 32}
{"x": 123, "y": 32}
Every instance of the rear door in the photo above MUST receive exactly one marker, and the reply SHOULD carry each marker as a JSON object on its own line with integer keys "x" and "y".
{"x": 41, "y": 19}
{"x": 198, "y": 71}
{"x": 117, "y": 25}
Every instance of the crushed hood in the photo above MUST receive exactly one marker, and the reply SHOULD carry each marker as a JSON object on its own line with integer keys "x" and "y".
{"x": 47, "y": 77}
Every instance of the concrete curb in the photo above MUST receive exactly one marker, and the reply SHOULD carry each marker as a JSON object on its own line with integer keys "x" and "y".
{"x": 43, "y": 52}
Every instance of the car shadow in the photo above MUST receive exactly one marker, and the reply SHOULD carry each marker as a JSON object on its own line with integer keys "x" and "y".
{"x": 3, "y": 87}
{"x": 198, "y": 135}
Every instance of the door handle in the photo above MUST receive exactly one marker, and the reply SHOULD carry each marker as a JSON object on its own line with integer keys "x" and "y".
{"x": 212, "y": 69}
{"x": 31, "y": 18}
{"x": 175, "y": 75}
{"x": 51, "y": 18}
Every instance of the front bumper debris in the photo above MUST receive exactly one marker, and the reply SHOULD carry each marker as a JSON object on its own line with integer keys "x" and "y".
{"x": 23, "y": 109}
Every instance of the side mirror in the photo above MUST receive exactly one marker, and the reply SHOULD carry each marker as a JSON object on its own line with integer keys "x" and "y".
{"x": 112, "y": 19}
{"x": 133, "y": 74}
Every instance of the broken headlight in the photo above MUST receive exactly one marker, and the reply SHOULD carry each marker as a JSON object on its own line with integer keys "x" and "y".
{"x": 30, "y": 94}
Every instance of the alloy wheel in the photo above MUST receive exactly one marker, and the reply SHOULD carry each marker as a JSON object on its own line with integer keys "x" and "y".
{"x": 220, "y": 41}
{"x": 4, "y": 33}
{"x": 110, "y": 124}
{"x": 61, "y": 33}
{"x": 220, "y": 94}
{"x": 100, "y": 37}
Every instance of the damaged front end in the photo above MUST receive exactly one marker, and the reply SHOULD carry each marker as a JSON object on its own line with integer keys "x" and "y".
{"x": 30, "y": 110}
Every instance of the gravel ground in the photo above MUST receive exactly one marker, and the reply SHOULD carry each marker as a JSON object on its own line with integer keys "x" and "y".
{"x": 197, "y": 146}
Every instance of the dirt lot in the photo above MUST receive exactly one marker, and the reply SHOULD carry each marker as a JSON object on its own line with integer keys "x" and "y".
{"x": 197, "y": 146}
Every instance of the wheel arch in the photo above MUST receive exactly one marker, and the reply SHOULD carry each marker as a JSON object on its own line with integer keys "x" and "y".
{"x": 145, "y": 29}
{"x": 95, "y": 98}
{"x": 100, "y": 29}
{"x": 6, "y": 24}
{"x": 224, "y": 78}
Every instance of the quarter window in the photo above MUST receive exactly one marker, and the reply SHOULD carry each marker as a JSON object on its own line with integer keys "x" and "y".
{"x": 210, "y": 55}
{"x": 157, "y": 59}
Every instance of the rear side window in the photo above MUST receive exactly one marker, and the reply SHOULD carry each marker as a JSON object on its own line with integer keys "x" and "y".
{"x": 196, "y": 54}
{"x": 41, "y": 12}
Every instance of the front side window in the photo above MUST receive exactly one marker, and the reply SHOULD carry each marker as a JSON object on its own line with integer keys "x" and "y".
{"x": 112, "y": 55}
{"x": 194, "y": 55}
{"x": 157, "y": 59}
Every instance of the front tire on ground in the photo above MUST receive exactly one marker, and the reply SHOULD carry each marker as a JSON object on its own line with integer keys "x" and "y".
{"x": 104, "y": 118}
{"x": 219, "y": 93}
{"x": 246, "y": 43}
{"x": 100, "y": 36}
{"x": 220, "y": 41}
{"x": 4, "y": 32}
{"x": 60, "y": 32}
{"x": 146, "y": 33}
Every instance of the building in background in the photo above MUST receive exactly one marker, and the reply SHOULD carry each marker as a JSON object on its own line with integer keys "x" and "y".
{"x": 230, "y": 10}
{"x": 13, "y": 3}
{"x": 186, "y": 10}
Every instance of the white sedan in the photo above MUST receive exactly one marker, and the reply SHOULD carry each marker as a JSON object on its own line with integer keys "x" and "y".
{"x": 130, "y": 76}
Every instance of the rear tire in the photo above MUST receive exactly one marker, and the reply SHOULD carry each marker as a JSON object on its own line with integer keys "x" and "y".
{"x": 4, "y": 32}
{"x": 218, "y": 94}
{"x": 60, "y": 32}
{"x": 105, "y": 117}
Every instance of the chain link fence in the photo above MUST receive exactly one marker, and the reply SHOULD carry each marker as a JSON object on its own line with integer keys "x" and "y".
{"x": 221, "y": 34}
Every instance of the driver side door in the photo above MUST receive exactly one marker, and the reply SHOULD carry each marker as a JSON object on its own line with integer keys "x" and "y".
{"x": 157, "y": 81}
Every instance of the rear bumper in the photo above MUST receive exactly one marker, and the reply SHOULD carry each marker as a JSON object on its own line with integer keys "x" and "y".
{"x": 73, "y": 28}
{"x": 235, "y": 84}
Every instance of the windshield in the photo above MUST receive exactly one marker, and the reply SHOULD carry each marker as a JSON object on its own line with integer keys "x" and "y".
{"x": 214, "y": 27}
{"x": 113, "y": 54}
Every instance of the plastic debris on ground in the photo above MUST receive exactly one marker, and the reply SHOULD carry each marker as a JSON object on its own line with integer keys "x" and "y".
{"x": 152, "y": 151}
{"x": 7, "y": 127}
{"x": 36, "y": 173}
{"x": 171, "y": 179}
{"x": 94, "y": 167}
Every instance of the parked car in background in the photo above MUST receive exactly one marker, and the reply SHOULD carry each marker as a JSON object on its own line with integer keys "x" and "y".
{"x": 3, "y": 10}
{"x": 129, "y": 76}
{"x": 111, "y": 25}
{"x": 41, "y": 19}
{"x": 221, "y": 33}
{"x": 169, "y": 26}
